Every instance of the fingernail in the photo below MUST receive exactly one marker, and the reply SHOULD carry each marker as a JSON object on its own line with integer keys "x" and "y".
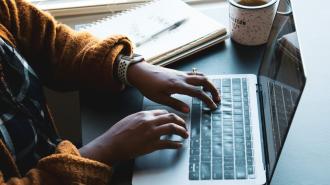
{"x": 218, "y": 98}
{"x": 185, "y": 109}
{"x": 215, "y": 106}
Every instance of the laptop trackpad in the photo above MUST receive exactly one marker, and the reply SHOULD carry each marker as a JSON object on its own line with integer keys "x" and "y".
{"x": 161, "y": 159}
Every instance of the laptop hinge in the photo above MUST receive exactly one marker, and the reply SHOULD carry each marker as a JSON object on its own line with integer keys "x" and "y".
{"x": 263, "y": 128}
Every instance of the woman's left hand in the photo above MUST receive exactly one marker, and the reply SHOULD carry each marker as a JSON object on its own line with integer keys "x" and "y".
{"x": 159, "y": 83}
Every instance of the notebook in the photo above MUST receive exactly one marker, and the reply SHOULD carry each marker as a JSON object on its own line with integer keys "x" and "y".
{"x": 164, "y": 30}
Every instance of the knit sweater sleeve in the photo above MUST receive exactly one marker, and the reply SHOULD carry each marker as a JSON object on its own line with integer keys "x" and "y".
{"x": 66, "y": 166}
{"x": 63, "y": 58}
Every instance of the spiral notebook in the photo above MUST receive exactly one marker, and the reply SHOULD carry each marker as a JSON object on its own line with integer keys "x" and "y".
{"x": 164, "y": 31}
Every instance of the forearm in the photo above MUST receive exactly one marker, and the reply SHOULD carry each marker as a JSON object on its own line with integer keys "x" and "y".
{"x": 65, "y": 59}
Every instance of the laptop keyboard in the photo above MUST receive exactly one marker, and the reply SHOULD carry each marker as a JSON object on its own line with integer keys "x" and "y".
{"x": 282, "y": 101}
{"x": 220, "y": 140}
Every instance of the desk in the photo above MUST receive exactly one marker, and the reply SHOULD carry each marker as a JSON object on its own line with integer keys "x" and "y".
{"x": 99, "y": 111}
{"x": 305, "y": 160}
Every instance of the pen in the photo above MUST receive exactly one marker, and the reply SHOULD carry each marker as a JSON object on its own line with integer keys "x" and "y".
{"x": 169, "y": 28}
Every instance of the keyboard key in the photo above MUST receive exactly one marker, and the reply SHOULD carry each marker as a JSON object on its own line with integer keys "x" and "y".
{"x": 250, "y": 170}
{"x": 206, "y": 157}
{"x": 194, "y": 159}
{"x": 217, "y": 83}
{"x": 237, "y": 99}
{"x": 226, "y": 96}
{"x": 227, "y": 122}
{"x": 237, "y": 92}
{"x": 229, "y": 174}
{"x": 237, "y": 104}
{"x": 206, "y": 143}
{"x": 195, "y": 120}
{"x": 226, "y": 90}
{"x": 217, "y": 171}
{"x": 240, "y": 173}
{"x": 216, "y": 117}
{"x": 227, "y": 116}
{"x": 240, "y": 154}
{"x": 206, "y": 119}
{"x": 194, "y": 142}
{"x": 249, "y": 161}
{"x": 240, "y": 162}
{"x": 239, "y": 132}
{"x": 194, "y": 151}
{"x": 193, "y": 175}
{"x": 238, "y": 111}
{"x": 239, "y": 147}
{"x": 227, "y": 136}
{"x": 239, "y": 139}
{"x": 228, "y": 168}
{"x": 228, "y": 129}
{"x": 226, "y": 83}
{"x": 228, "y": 160}
{"x": 194, "y": 167}
{"x": 205, "y": 171}
{"x": 236, "y": 81}
{"x": 216, "y": 131}
{"x": 238, "y": 125}
{"x": 249, "y": 152}
{"x": 238, "y": 118}
{"x": 228, "y": 149}
{"x": 217, "y": 150}
{"x": 206, "y": 150}
{"x": 217, "y": 139}
{"x": 206, "y": 131}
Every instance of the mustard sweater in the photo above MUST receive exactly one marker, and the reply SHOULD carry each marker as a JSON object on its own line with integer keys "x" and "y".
{"x": 64, "y": 60}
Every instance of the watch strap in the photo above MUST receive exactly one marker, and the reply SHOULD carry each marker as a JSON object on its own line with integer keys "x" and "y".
{"x": 124, "y": 63}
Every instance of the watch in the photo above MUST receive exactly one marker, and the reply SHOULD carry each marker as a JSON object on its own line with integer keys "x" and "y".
{"x": 123, "y": 63}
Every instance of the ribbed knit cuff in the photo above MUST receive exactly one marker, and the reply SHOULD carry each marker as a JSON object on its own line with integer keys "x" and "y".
{"x": 71, "y": 168}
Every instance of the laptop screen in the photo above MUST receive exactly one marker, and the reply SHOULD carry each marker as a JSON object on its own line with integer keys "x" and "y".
{"x": 282, "y": 79}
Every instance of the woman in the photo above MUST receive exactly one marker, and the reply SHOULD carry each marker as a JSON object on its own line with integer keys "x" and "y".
{"x": 35, "y": 50}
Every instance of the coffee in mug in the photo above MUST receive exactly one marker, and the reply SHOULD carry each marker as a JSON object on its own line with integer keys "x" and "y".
{"x": 251, "y": 20}
{"x": 252, "y": 2}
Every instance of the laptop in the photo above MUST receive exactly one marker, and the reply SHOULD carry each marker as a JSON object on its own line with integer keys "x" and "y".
{"x": 241, "y": 141}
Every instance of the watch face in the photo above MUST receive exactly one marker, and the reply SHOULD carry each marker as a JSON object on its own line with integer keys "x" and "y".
{"x": 135, "y": 58}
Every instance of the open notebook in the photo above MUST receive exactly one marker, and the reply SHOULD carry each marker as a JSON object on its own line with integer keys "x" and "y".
{"x": 164, "y": 30}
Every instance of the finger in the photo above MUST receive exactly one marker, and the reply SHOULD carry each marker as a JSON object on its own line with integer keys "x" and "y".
{"x": 206, "y": 84}
{"x": 158, "y": 112}
{"x": 170, "y": 118}
{"x": 194, "y": 91}
{"x": 196, "y": 73}
{"x": 165, "y": 144}
{"x": 174, "y": 103}
{"x": 171, "y": 128}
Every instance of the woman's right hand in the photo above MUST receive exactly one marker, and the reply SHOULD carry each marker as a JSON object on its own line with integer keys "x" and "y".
{"x": 135, "y": 135}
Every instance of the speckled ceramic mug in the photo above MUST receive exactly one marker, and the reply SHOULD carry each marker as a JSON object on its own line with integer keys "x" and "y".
{"x": 250, "y": 25}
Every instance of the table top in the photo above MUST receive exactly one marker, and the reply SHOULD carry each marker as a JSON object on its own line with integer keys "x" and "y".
{"x": 304, "y": 159}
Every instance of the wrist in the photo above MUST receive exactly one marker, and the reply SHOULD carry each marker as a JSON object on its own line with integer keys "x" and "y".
{"x": 123, "y": 64}
{"x": 134, "y": 71}
{"x": 95, "y": 150}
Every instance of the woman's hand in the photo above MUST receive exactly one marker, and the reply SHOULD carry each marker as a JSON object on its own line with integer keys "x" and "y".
{"x": 135, "y": 135}
{"x": 159, "y": 83}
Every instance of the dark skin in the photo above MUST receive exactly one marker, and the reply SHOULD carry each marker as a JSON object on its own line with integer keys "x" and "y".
{"x": 140, "y": 133}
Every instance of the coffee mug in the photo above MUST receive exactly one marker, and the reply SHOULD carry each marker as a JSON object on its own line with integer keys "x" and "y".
{"x": 251, "y": 20}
